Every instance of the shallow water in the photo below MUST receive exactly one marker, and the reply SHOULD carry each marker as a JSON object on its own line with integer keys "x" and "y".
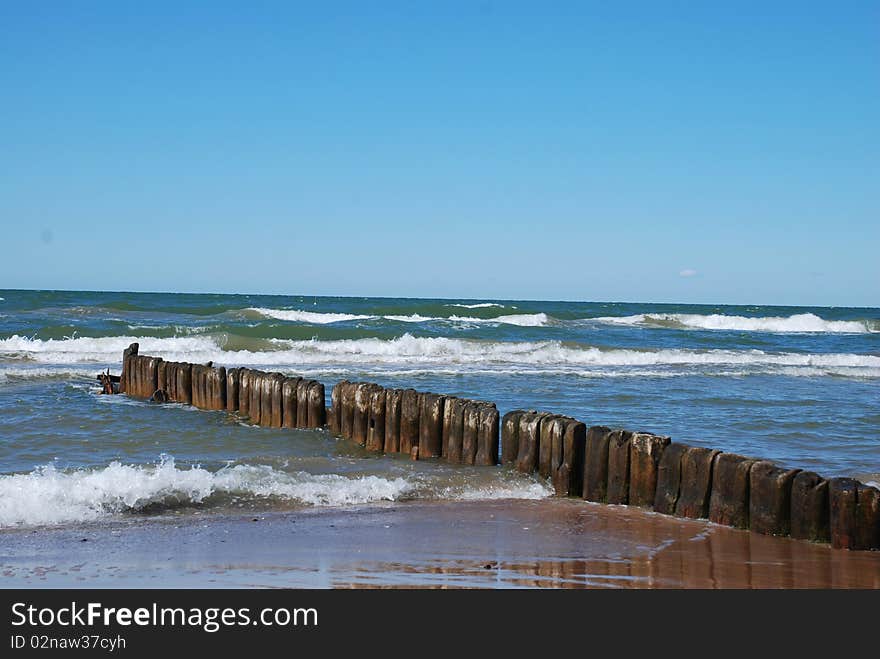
{"x": 797, "y": 385}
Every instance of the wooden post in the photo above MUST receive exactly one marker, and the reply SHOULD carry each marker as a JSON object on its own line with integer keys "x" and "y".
{"x": 289, "y": 409}
{"x": 487, "y": 437}
{"x": 316, "y": 411}
{"x": 376, "y": 420}
{"x": 392, "y": 420}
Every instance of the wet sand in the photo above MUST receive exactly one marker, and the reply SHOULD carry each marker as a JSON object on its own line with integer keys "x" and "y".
{"x": 498, "y": 544}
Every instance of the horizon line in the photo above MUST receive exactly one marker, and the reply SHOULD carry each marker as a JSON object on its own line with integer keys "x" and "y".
{"x": 445, "y": 299}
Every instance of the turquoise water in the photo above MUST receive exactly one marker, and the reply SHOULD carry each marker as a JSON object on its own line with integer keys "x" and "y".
{"x": 797, "y": 385}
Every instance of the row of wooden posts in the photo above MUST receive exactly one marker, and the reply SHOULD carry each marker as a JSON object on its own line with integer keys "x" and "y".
{"x": 598, "y": 464}
{"x": 419, "y": 424}
{"x": 266, "y": 399}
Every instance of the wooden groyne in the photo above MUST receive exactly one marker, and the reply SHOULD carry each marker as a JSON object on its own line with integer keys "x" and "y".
{"x": 266, "y": 399}
{"x": 597, "y": 463}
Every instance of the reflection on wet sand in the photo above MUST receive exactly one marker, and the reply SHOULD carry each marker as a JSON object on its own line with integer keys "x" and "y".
{"x": 551, "y": 543}
{"x": 654, "y": 551}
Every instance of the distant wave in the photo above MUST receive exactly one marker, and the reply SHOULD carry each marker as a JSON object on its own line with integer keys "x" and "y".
{"x": 50, "y": 496}
{"x": 481, "y": 305}
{"x": 44, "y": 372}
{"x": 438, "y": 353}
{"x": 107, "y": 349}
{"x": 805, "y": 322}
{"x": 412, "y": 318}
{"x": 523, "y": 320}
{"x": 312, "y": 317}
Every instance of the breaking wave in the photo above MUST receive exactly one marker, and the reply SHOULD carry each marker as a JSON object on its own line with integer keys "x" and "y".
{"x": 481, "y": 305}
{"x": 797, "y": 323}
{"x": 48, "y": 496}
{"x": 459, "y": 355}
{"x": 106, "y": 349}
{"x": 312, "y": 317}
{"x": 316, "y": 318}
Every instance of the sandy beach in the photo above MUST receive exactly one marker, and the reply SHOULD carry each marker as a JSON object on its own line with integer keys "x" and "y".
{"x": 499, "y": 544}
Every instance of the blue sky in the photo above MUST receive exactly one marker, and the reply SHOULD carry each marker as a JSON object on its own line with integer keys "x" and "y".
{"x": 584, "y": 151}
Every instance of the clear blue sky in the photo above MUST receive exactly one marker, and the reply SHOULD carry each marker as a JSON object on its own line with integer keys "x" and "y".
{"x": 587, "y": 151}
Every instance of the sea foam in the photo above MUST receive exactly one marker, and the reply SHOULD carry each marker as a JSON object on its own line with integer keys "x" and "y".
{"x": 441, "y": 352}
{"x": 48, "y": 495}
{"x": 311, "y": 317}
{"x": 797, "y": 323}
{"x": 480, "y": 305}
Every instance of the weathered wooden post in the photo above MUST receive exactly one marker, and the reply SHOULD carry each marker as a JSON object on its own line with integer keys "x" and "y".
{"x": 219, "y": 392}
{"x": 453, "y": 428}
{"x": 361, "y": 416}
{"x": 431, "y": 426}
{"x": 451, "y": 401}
{"x": 277, "y": 384}
{"x": 470, "y": 432}
{"x": 256, "y": 390}
{"x": 266, "y": 400}
{"x": 842, "y": 496}
{"x": 289, "y": 409}
{"x": 567, "y": 467}
{"x": 233, "y": 385}
{"x": 696, "y": 482}
{"x": 867, "y": 534}
{"x": 244, "y": 392}
{"x": 409, "y": 420}
{"x": 809, "y": 507}
{"x": 302, "y": 403}
{"x": 198, "y": 386}
{"x": 152, "y": 375}
{"x": 770, "y": 498}
{"x": 376, "y": 420}
{"x": 334, "y": 418}
{"x": 669, "y": 479}
{"x": 346, "y": 421}
{"x": 184, "y": 383}
{"x": 487, "y": 437}
{"x": 125, "y": 378}
{"x": 392, "y": 420}
{"x": 551, "y": 429}
{"x": 529, "y": 441}
{"x": 596, "y": 464}
{"x": 136, "y": 376}
{"x": 619, "y": 466}
{"x": 316, "y": 412}
{"x": 160, "y": 375}
{"x": 510, "y": 436}
{"x": 729, "y": 501}
{"x": 646, "y": 451}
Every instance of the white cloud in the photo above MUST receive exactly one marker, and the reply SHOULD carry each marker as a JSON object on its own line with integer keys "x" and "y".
{"x": 687, "y": 272}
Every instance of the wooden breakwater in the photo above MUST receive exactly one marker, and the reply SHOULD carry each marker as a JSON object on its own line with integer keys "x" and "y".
{"x": 266, "y": 399}
{"x": 598, "y": 464}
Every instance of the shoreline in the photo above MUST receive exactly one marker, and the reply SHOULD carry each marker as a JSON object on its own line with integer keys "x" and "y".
{"x": 555, "y": 543}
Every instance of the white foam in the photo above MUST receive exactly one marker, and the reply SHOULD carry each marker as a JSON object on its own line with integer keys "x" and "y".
{"x": 39, "y": 373}
{"x": 435, "y": 353}
{"x": 413, "y": 318}
{"x": 51, "y": 496}
{"x": 106, "y": 349}
{"x": 312, "y": 317}
{"x": 525, "y": 490}
{"x": 523, "y": 320}
{"x": 797, "y": 323}
{"x": 481, "y": 305}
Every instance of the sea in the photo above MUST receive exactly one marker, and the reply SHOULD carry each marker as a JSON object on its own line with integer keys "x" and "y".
{"x": 796, "y": 385}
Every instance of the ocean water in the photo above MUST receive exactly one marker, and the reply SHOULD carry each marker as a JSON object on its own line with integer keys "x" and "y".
{"x": 800, "y": 386}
